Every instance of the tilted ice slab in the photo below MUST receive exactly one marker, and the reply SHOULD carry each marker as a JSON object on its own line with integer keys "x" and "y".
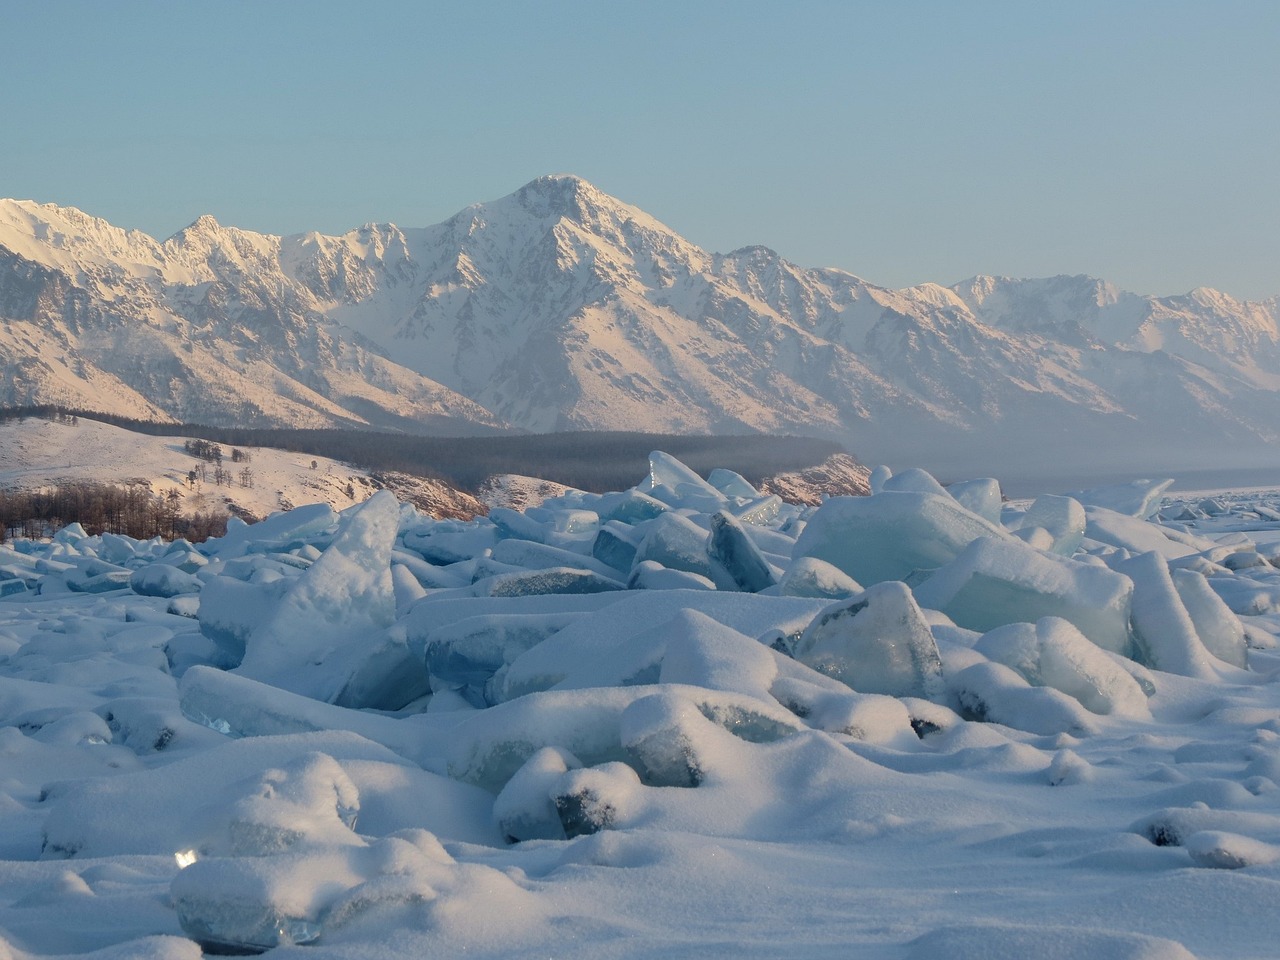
{"x": 993, "y": 582}
{"x": 328, "y": 637}
{"x": 891, "y": 535}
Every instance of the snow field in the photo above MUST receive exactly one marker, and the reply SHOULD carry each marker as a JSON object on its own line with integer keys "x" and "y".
{"x": 685, "y": 719}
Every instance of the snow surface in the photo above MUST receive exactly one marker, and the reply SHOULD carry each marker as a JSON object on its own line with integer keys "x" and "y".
{"x": 814, "y": 769}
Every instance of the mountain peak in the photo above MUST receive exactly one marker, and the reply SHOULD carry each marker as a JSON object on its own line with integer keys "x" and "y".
{"x": 560, "y": 195}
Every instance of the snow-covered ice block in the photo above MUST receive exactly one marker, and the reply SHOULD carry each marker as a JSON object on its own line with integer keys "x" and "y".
{"x": 524, "y": 809}
{"x": 487, "y": 747}
{"x": 594, "y": 799}
{"x": 651, "y": 575}
{"x": 160, "y": 580}
{"x": 1165, "y": 635}
{"x": 1053, "y": 653}
{"x": 891, "y": 535}
{"x": 521, "y": 526}
{"x": 1137, "y": 498}
{"x": 811, "y": 577}
{"x": 191, "y": 802}
{"x": 761, "y": 511}
{"x": 1229, "y": 851}
{"x": 251, "y": 904}
{"x": 736, "y": 561}
{"x": 446, "y": 542}
{"x": 991, "y": 940}
{"x": 993, "y": 693}
{"x": 1062, "y": 518}
{"x": 703, "y": 652}
{"x": 994, "y": 582}
{"x": 876, "y": 642}
{"x": 230, "y": 610}
{"x": 625, "y": 643}
{"x": 660, "y": 733}
{"x": 1217, "y": 627}
{"x": 239, "y": 707}
{"x": 913, "y": 480}
{"x": 280, "y": 529}
{"x": 1140, "y": 536}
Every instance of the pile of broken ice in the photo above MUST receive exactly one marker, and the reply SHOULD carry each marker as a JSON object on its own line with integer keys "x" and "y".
{"x": 355, "y": 687}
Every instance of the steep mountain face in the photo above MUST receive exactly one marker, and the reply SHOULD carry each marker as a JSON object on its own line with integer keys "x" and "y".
{"x": 559, "y": 307}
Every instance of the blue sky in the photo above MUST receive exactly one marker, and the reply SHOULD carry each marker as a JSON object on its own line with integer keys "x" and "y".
{"x": 904, "y": 141}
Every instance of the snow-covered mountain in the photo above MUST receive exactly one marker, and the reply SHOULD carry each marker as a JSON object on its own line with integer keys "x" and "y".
{"x": 559, "y": 307}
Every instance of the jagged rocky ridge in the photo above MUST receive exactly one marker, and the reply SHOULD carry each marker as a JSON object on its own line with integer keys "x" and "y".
{"x": 559, "y": 307}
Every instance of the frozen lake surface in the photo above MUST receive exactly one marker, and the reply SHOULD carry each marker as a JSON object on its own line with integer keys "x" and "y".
{"x": 684, "y": 719}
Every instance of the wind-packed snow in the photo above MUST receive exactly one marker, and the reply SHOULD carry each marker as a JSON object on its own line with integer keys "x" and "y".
{"x": 688, "y": 719}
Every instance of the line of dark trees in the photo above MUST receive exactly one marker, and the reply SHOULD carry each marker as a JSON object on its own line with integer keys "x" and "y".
{"x": 130, "y": 509}
{"x": 597, "y": 461}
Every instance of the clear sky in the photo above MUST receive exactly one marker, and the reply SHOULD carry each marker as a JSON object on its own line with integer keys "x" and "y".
{"x": 904, "y": 141}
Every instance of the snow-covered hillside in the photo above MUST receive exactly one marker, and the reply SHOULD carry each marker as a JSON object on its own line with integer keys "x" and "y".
{"x": 37, "y": 452}
{"x": 559, "y": 307}
{"x": 684, "y": 719}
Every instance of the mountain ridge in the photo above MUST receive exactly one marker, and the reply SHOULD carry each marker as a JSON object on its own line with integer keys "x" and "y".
{"x": 560, "y": 307}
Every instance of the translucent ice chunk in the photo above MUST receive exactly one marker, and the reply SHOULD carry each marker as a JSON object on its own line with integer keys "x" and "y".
{"x": 465, "y": 654}
{"x": 736, "y": 557}
{"x": 981, "y": 496}
{"x": 759, "y": 512}
{"x": 558, "y": 580}
{"x": 615, "y": 546}
{"x": 630, "y": 506}
{"x": 540, "y": 556}
{"x": 668, "y": 477}
{"x": 1138, "y": 498}
{"x": 994, "y": 582}
{"x": 891, "y": 535}
{"x": 732, "y": 484}
{"x": 877, "y": 642}
{"x": 677, "y": 543}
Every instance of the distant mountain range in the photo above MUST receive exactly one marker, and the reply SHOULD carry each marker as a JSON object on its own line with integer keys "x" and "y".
{"x": 559, "y": 307}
